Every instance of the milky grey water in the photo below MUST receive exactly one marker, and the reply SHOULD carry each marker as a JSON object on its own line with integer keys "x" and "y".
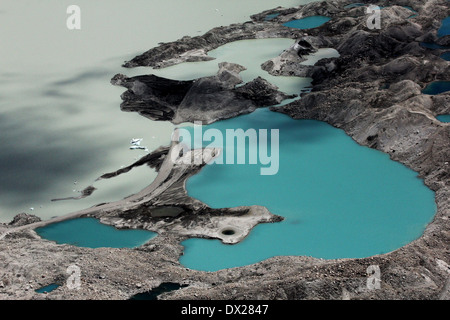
{"x": 60, "y": 122}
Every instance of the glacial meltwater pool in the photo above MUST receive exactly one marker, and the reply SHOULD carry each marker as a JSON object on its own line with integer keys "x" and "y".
{"x": 444, "y": 118}
{"x": 437, "y": 87}
{"x": 90, "y": 233}
{"x": 444, "y": 30}
{"x": 307, "y": 23}
{"x": 446, "y": 56}
{"x": 339, "y": 199}
{"x": 47, "y": 289}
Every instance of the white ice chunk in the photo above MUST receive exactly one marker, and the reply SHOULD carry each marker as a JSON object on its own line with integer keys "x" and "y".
{"x": 136, "y": 141}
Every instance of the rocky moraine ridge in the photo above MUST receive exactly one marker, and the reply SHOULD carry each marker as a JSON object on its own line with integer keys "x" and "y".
{"x": 372, "y": 91}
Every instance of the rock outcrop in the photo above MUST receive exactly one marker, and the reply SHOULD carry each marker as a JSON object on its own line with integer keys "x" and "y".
{"x": 189, "y": 49}
{"x": 23, "y": 219}
{"x": 288, "y": 63}
{"x": 206, "y": 99}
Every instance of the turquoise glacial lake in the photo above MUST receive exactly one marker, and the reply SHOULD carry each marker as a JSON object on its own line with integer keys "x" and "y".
{"x": 339, "y": 199}
{"x": 444, "y": 30}
{"x": 437, "y": 87}
{"x": 307, "y": 23}
{"x": 444, "y": 118}
{"x": 446, "y": 56}
{"x": 90, "y": 233}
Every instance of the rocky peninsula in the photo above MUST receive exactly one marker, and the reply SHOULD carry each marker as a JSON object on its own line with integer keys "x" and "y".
{"x": 206, "y": 99}
{"x": 373, "y": 91}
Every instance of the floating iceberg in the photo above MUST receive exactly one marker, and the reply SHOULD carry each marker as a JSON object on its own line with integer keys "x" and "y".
{"x": 136, "y": 144}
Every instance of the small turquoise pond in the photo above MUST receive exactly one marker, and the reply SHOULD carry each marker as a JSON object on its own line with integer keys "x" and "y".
{"x": 444, "y": 117}
{"x": 90, "y": 233}
{"x": 339, "y": 199}
{"x": 48, "y": 288}
{"x": 307, "y": 23}
{"x": 444, "y": 30}
{"x": 437, "y": 87}
{"x": 446, "y": 56}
